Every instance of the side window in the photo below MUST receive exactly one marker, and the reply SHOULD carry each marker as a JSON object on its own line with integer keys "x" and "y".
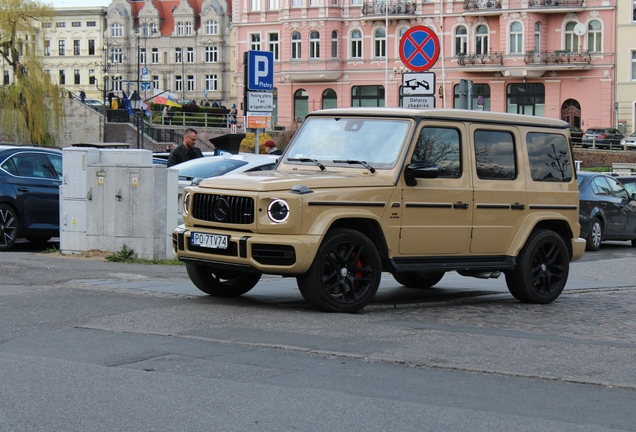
{"x": 495, "y": 155}
{"x": 618, "y": 189}
{"x": 548, "y": 157}
{"x": 440, "y": 146}
{"x": 27, "y": 165}
{"x": 600, "y": 186}
{"x": 56, "y": 166}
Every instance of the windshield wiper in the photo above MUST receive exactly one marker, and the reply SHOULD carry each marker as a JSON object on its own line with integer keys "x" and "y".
{"x": 321, "y": 166}
{"x": 356, "y": 162}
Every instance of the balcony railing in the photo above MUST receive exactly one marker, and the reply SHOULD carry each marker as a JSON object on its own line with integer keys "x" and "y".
{"x": 557, "y": 57}
{"x": 480, "y": 59}
{"x": 554, "y": 3}
{"x": 477, "y": 5}
{"x": 388, "y": 8}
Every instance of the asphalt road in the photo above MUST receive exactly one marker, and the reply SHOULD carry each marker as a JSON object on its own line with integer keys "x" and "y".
{"x": 96, "y": 346}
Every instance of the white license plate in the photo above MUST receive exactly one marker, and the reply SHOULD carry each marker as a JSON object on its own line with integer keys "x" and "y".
{"x": 212, "y": 241}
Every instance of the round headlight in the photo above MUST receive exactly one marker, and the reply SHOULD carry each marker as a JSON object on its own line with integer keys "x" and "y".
{"x": 186, "y": 202}
{"x": 278, "y": 210}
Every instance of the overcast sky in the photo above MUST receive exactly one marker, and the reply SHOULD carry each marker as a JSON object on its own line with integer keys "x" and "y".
{"x": 75, "y": 3}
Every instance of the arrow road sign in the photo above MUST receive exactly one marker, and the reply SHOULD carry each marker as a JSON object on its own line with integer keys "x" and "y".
{"x": 421, "y": 83}
{"x": 145, "y": 85}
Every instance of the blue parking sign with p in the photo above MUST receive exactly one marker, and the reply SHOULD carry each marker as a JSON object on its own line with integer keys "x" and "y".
{"x": 260, "y": 70}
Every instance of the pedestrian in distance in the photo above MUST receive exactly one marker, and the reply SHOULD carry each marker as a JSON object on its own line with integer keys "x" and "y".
{"x": 185, "y": 151}
{"x": 270, "y": 145}
{"x": 82, "y": 95}
{"x": 232, "y": 118}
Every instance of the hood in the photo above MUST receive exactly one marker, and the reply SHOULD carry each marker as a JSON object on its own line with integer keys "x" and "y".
{"x": 275, "y": 180}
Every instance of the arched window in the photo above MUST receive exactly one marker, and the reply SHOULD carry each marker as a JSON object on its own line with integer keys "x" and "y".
{"x": 329, "y": 99}
{"x": 356, "y": 44}
{"x": 537, "y": 37}
{"x": 595, "y": 36}
{"x": 334, "y": 44}
{"x": 379, "y": 47}
{"x": 571, "y": 38}
{"x": 295, "y": 46}
{"x": 481, "y": 41}
{"x": 314, "y": 45}
{"x": 301, "y": 104}
{"x": 461, "y": 41}
{"x": 516, "y": 38}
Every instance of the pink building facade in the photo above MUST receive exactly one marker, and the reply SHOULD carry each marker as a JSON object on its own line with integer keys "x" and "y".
{"x": 552, "y": 58}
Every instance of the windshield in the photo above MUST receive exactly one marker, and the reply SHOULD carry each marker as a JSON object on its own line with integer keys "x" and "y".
{"x": 208, "y": 167}
{"x": 374, "y": 141}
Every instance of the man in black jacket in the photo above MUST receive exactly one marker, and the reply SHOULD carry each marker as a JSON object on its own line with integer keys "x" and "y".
{"x": 187, "y": 150}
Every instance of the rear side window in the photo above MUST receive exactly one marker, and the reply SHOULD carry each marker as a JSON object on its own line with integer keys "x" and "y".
{"x": 495, "y": 155}
{"x": 440, "y": 146}
{"x": 549, "y": 158}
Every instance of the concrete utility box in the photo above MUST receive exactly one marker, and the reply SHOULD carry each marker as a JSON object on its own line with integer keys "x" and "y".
{"x": 127, "y": 200}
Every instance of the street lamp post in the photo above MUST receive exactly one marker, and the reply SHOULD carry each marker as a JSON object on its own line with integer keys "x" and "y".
{"x": 135, "y": 104}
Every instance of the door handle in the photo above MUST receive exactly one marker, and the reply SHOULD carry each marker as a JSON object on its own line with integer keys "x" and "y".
{"x": 460, "y": 205}
{"x": 518, "y": 206}
{"x": 23, "y": 189}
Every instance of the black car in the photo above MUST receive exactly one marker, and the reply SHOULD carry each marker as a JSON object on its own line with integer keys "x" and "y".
{"x": 606, "y": 210}
{"x": 602, "y": 138}
{"x": 629, "y": 182}
{"x": 30, "y": 179}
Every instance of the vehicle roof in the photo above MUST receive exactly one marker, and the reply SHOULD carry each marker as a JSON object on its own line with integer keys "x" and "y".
{"x": 446, "y": 114}
{"x": 4, "y": 147}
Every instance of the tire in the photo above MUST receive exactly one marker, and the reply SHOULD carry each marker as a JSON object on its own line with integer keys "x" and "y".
{"x": 418, "y": 279}
{"x": 345, "y": 273}
{"x": 221, "y": 283}
{"x": 9, "y": 225}
{"x": 595, "y": 236}
{"x": 542, "y": 269}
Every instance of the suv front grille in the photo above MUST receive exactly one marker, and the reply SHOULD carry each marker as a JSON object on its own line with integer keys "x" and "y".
{"x": 223, "y": 208}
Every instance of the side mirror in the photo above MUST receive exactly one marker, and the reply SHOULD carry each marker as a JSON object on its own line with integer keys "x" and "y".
{"x": 420, "y": 170}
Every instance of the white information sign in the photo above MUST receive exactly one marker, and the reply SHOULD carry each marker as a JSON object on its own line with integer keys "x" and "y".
{"x": 418, "y": 83}
{"x": 418, "y": 101}
{"x": 260, "y": 101}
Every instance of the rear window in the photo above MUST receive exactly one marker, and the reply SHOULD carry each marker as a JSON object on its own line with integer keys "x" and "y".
{"x": 549, "y": 158}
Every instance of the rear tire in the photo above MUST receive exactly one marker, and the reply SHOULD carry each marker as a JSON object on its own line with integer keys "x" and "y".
{"x": 542, "y": 269}
{"x": 9, "y": 225}
{"x": 345, "y": 273}
{"x": 418, "y": 279}
{"x": 595, "y": 236}
{"x": 221, "y": 283}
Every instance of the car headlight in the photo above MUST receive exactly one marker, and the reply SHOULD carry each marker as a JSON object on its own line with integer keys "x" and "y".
{"x": 186, "y": 202}
{"x": 623, "y": 142}
{"x": 278, "y": 210}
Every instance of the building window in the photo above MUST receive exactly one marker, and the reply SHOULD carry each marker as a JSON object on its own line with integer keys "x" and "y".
{"x": 142, "y": 56}
{"x": 495, "y": 165}
{"x": 313, "y": 2}
{"x": 62, "y": 76}
{"x": 47, "y": 47}
{"x": 60, "y": 24}
{"x": 634, "y": 10}
{"x": 211, "y": 82}
{"x": 7, "y": 79}
{"x": 91, "y": 76}
{"x": 188, "y": 29}
{"x": 155, "y": 55}
{"x": 117, "y": 83}
{"x": 61, "y": 47}
{"x": 255, "y": 5}
{"x": 461, "y": 41}
{"x": 297, "y": 3}
{"x": 516, "y": 38}
{"x": 117, "y": 55}
{"x": 272, "y": 4}
{"x": 180, "y": 29}
{"x": 526, "y": 98}
{"x": 91, "y": 23}
{"x": 76, "y": 47}
{"x": 334, "y": 2}
{"x": 356, "y": 44}
{"x": 211, "y": 54}
{"x": 571, "y": 38}
{"x": 190, "y": 83}
{"x": 478, "y": 90}
{"x": 46, "y": 25}
{"x": 91, "y": 47}
{"x": 211, "y": 27}
{"x": 334, "y": 44}
{"x": 367, "y": 96}
{"x": 379, "y": 46}
{"x": 76, "y": 24}
{"x": 594, "y": 37}
{"x": 76, "y": 76}
{"x": 633, "y": 65}
{"x": 356, "y": 2}
{"x": 178, "y": 58}
{"x": 537, "y": 37}
{"x": 296, "y": 46}
{"x": 116, "y": 30}
{"x": 481, "y": 40}
{"x": 314, "y": 45}
{"x": 190, "y": 55}
{"x": 301, "y": 104}
{"x": 329, "y": 99}
{"x": 155, "y": 81}
{"x": 274, "y": 45}
{"x": 178, "y": 83}
{"x": 255, "y": 42}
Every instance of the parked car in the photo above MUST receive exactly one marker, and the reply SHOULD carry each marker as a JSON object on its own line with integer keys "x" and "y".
{"x": 602, "y": 138}
{"x": 629, "y": 141}
{"x": 576, "y": 135}
{"x": 193, "y": 171}
{"x": 94, "y": 102}
{"x": 607, "y": 211}
{"x": 629, "y": 182}
{"x": 30, "y": 178}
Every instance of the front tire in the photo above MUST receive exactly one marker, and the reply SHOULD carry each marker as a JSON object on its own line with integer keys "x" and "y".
{"x": 542, "y": 269}
{"x": 221, "y": 283}
{"x": 8, "y": 227}
{"x": 595, "y": 236}
{"x": 345, "y": 273}
{"x": 418, "y": 279}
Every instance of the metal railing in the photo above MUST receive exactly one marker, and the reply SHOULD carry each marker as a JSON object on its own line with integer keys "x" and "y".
{"x": 555, "y": 3}
{"x": 474, "y": 5}
{"x": 480, "y": 59}
{"x": 557, "y": 57}
{"x": 388, "y": 8}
